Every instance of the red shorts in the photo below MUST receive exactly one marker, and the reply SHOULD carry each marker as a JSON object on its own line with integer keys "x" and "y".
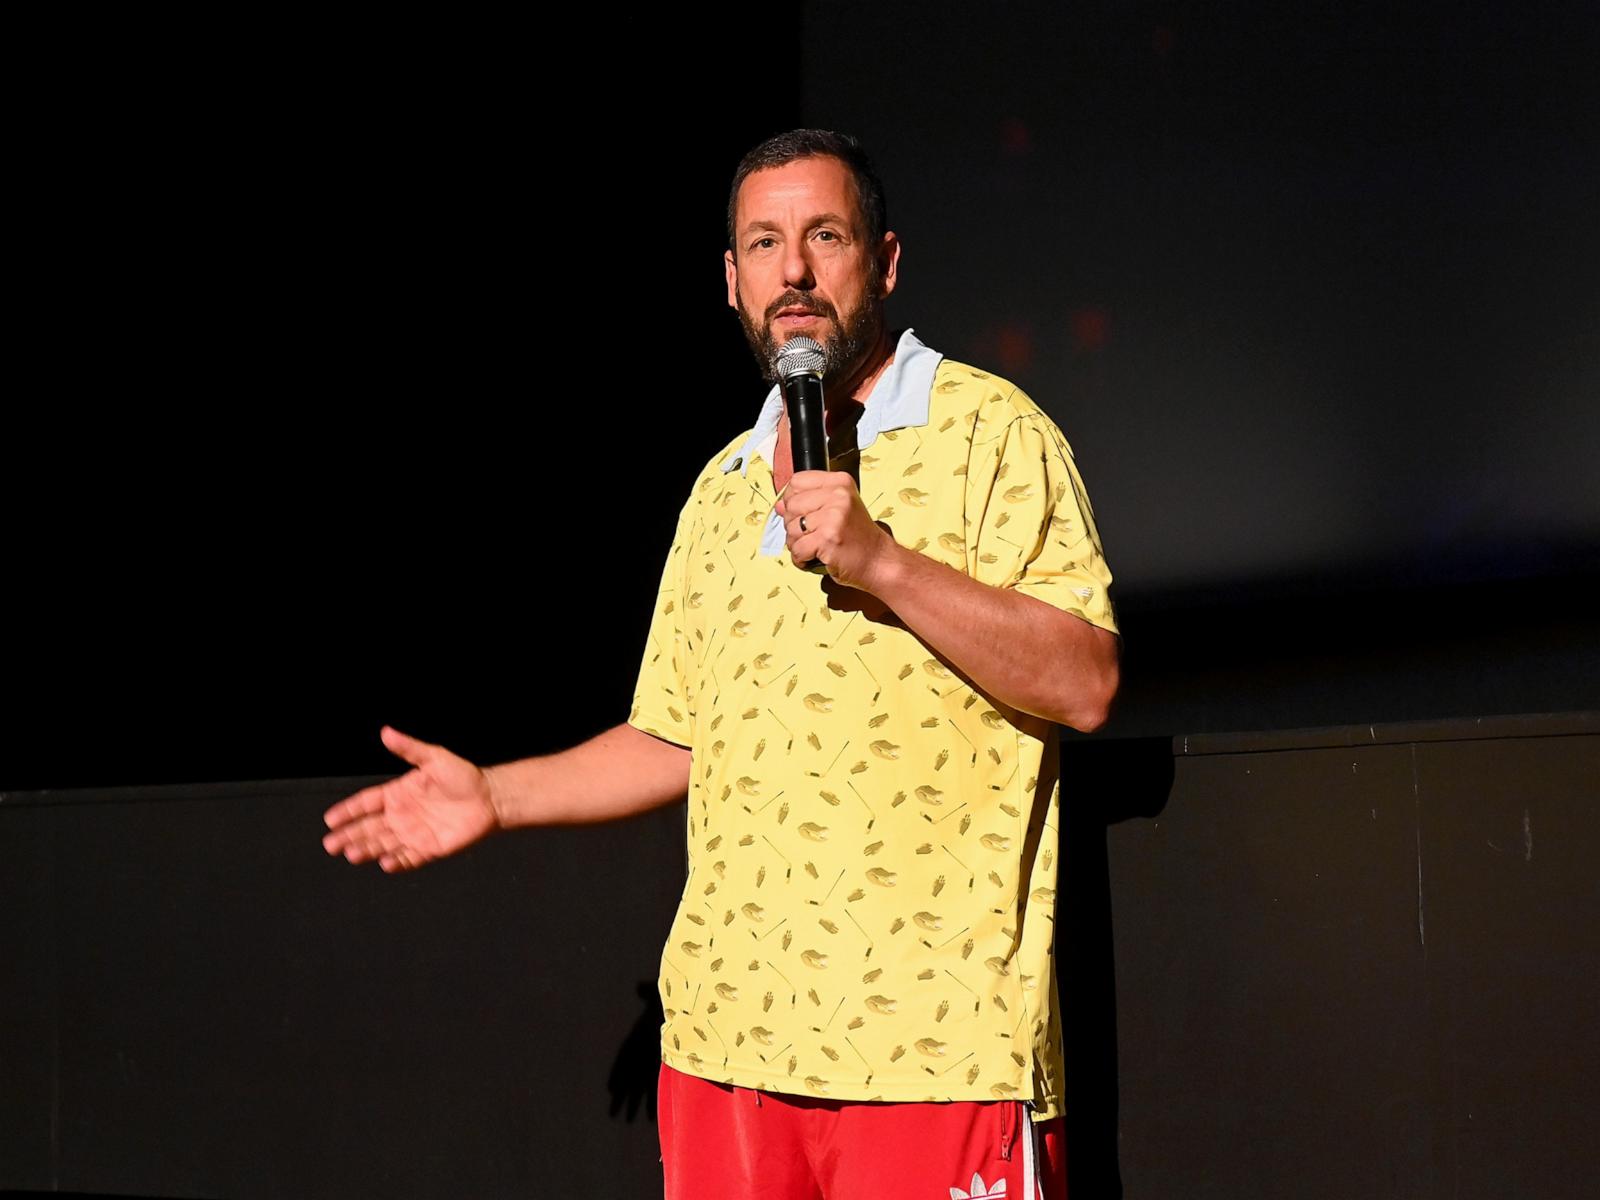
{"x": 721, "y": 1140}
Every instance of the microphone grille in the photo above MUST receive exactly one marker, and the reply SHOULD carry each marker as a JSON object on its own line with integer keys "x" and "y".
{"x": 800, "y": 356}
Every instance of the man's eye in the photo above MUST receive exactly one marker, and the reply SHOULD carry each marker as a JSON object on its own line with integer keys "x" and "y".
{"x": 827, "y": 235}
{"x": 765, "y": 243}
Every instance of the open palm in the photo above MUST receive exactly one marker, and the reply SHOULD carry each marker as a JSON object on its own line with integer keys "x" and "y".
{"x": 440, "y": 806}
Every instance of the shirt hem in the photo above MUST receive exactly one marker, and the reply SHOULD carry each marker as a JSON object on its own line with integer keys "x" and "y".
{"x": 896, "y": 1091}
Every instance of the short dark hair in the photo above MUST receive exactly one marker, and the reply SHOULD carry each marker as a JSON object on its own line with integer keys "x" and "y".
{"x": 813, "y": 143}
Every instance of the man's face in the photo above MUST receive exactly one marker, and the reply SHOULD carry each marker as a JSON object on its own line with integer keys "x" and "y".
{"x": 801, "y": 265}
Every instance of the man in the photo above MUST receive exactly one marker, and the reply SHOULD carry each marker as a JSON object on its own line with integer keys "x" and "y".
{"x": 858, "y": 986}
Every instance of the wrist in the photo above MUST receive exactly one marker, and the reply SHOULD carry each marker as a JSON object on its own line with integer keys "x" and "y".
{"x": 499, "y": 796}
{"x": 890, "y": 566}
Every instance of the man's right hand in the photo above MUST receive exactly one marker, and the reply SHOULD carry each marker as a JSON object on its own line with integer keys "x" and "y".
{"x": 440, "y": 806}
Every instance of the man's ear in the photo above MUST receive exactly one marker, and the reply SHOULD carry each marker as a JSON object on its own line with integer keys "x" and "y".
{"x": 888, "y": 262}
{"x": 732, "y": 272}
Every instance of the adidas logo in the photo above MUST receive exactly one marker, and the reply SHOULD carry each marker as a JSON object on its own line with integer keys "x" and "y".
{"x": 980, "y": 1190}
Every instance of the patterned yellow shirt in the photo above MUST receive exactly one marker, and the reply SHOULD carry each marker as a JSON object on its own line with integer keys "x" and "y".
{"x": 869, "y": 911}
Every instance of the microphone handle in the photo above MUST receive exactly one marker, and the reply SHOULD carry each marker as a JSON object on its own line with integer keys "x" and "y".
{"x": 808, "y": 438}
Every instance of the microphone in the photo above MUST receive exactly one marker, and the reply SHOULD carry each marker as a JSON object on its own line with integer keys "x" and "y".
{"x": 800, "y": 364}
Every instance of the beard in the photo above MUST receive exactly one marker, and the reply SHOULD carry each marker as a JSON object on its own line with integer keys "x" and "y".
{"x": 852, "y": 339}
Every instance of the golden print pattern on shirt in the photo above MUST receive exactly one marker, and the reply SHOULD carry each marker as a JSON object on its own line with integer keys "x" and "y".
{"x": 869, "y": 907}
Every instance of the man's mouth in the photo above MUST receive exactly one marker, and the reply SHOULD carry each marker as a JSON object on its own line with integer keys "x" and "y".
{"x": 793, "y": 316}
{"x": 800, "y": 310}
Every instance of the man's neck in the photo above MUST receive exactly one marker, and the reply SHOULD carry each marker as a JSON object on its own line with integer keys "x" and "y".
{"x": 846, "y": 402}
{"x": 844, "y": 407}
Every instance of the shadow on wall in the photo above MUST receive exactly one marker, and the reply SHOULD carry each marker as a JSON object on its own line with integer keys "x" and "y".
{"x": 636, "y": 1068}
{"x": 1103, "y": 784}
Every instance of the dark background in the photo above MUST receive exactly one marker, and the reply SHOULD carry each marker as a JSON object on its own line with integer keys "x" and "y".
{"x": 348, "y": 403}
{"x": 342, "y": 402}
{"x": 1353, "y": 962}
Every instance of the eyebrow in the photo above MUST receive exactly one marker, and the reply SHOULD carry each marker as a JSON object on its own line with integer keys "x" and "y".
{"x": 827, "y": 218}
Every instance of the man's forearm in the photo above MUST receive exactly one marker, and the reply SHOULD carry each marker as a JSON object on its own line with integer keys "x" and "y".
{"x": 1022, "y": 651}
{"x": 619, "y": 773}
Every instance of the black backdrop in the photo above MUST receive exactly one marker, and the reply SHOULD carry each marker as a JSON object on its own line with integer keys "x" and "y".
{"x": 340, "y": 319}
{"x": 371, "y": 362}
{"x": 390, "y": 354}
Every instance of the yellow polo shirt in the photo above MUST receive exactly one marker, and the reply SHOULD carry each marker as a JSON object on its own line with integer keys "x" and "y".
{"x": 869, "y": 911}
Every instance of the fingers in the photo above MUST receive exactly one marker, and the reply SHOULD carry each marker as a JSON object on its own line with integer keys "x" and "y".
{"x": 417, "y": 753}
{"x": 388, "y": 853}
{"x": 815, "y": 518}
{"x": 809, "y": 490}
{"x": 829, "y": 491}
{"x": 358, "y": 826}
{"x": 361, "y": 804}
{"x": 807, "y": 534}
{"x": 803, "y": 542}
{"x": 826, "y": 522}
{"x": 367, "y": 837}
{"x": 400, "y": 859}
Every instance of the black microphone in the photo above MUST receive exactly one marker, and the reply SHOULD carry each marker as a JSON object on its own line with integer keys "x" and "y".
{"x": 800, "y": 364}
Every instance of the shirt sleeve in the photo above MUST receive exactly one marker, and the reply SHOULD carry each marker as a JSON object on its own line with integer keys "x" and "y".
{"x": 1030, "y": 526}
{"x": 661, "y": 695}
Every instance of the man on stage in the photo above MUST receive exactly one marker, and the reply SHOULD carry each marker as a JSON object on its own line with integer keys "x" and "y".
{"x": 858, "y": 986}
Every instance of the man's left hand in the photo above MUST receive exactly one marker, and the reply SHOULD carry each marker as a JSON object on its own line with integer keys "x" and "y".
{"x": 825, "y": 520}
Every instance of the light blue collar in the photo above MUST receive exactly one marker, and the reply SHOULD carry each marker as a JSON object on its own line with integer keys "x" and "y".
{"x": 899, "y": 400}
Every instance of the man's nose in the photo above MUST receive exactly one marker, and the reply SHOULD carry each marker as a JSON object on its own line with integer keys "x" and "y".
{"x": 797, "y": 267}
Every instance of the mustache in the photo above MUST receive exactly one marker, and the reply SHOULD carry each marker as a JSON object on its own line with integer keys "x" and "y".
{"x": 813, "y": 305}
